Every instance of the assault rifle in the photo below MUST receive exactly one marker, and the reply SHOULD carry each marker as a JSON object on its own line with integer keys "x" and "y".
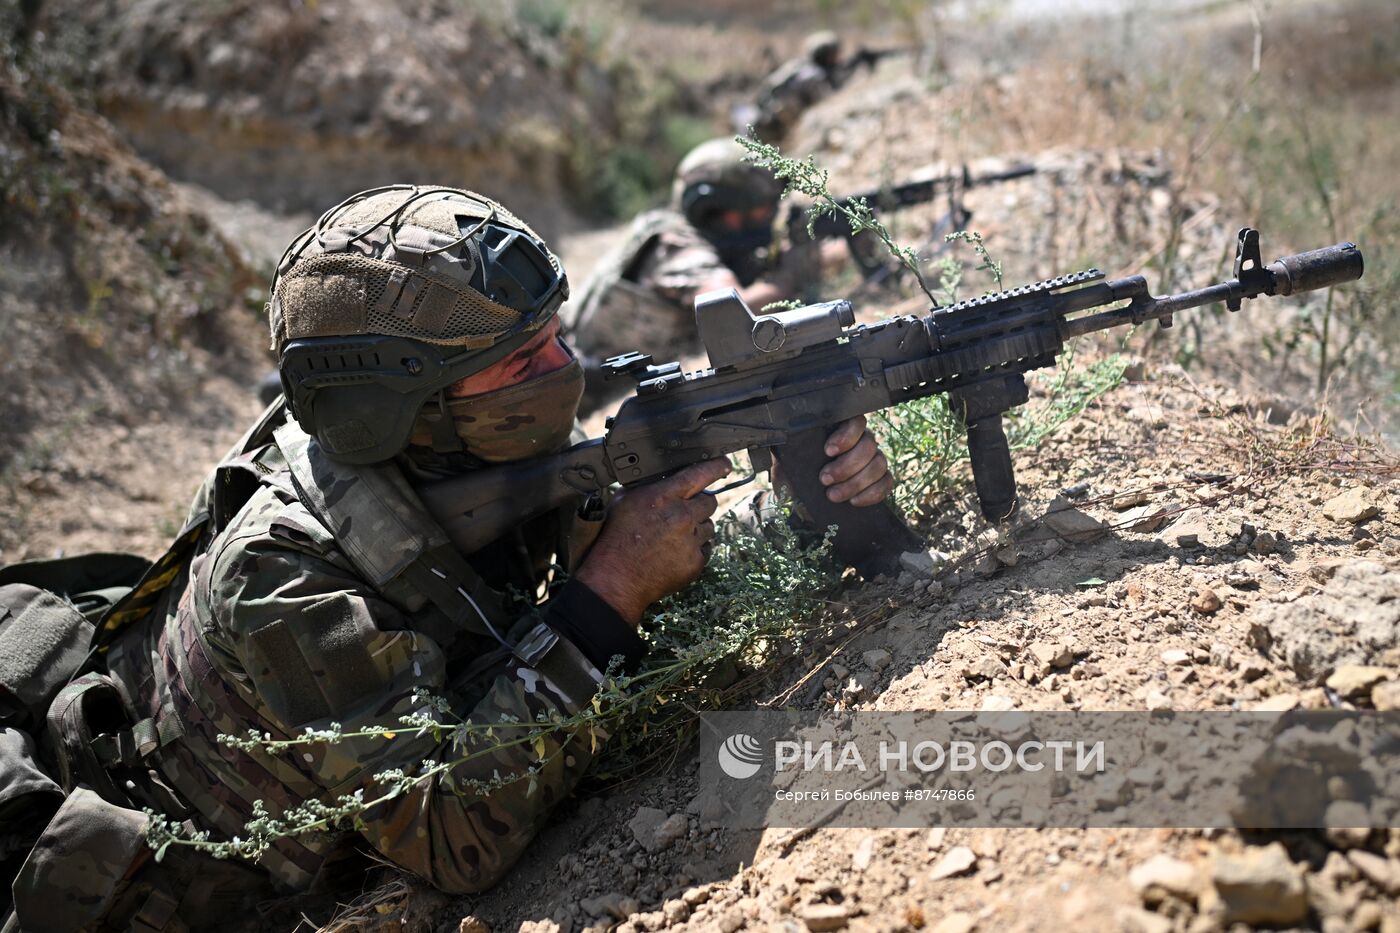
{"x": 779, "y": 383}
{"x": 918, "y": 190}
{"x": 868, "y": 58}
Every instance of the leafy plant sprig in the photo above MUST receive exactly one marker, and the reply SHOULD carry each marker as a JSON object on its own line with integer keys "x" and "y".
{"x": 806, "y": 177}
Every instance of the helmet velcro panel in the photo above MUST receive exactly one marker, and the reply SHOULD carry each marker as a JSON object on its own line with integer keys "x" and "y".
{"x": 341, "y": 294}
{"x": 407, "y": 262}
{"x": 322, "y": 299}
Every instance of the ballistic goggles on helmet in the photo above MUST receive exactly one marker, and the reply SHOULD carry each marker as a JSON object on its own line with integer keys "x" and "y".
{"x": 708, "y": 207}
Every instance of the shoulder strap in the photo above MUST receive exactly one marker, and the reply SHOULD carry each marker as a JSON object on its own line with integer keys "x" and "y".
{"x": 232, "y": 484}
{"x": 643, "y": 237}
{"x": 388, "y": 535}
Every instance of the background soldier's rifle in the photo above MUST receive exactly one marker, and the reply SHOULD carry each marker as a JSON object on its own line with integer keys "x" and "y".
{"x": 918, "y": 190}
{"x": 864, "y": 57}
{"x": 779, "y": 383}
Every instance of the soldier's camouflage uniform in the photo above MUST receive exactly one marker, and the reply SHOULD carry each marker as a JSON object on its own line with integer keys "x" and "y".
{"x": 642, "y": 294}
{"x": 278, "y": 630}
{"x": 306, "y": 592}
{"x": 788, "y": 93}
{"x": 796, "y": 85}
{"x": 276, "y": 627}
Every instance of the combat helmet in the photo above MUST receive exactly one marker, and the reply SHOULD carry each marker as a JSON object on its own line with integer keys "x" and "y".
{"x": 714, "y": 177}
{"x": 731, "y": 202}
{"x": 395, "y": 294}
{"x": 822, "y": 48}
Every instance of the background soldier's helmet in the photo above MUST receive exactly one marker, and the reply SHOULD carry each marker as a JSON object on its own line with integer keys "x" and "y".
{"x": 395, "y": 294}
{"x": 822, "y": 48}
{"x": 714, "y": 178}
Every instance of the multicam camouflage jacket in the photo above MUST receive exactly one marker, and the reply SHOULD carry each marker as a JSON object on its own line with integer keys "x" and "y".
{"x": 786, "y": 94}
{"x": 329, "y": 596}
{"x": 642, "y": 295}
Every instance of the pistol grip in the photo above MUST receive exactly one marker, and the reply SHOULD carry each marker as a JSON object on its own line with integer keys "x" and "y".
{"x": 869, "y": 538}
{"x": 992, "y": 471}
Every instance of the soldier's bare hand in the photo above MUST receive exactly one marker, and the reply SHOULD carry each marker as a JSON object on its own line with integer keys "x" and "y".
{"x": 858, "y": 472}
{"x": 654, "y": 540}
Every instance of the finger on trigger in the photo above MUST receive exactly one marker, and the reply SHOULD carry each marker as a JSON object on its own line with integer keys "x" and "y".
{"x": 693, "y": 479}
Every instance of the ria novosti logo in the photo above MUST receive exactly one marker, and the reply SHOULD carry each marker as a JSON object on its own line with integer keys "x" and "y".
{"x": 740, "y": 756}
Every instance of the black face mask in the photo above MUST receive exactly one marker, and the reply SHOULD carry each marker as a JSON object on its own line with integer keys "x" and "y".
{"x": 745, "y": 252}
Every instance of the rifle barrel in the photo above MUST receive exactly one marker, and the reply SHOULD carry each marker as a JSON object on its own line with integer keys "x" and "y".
{"x": 1319, "y": 268}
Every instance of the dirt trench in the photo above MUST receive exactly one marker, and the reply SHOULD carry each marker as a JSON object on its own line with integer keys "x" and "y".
{"x": 1242, "y": 464}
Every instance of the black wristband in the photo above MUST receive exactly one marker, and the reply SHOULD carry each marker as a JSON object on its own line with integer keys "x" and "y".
{"x": 595, "y": 628}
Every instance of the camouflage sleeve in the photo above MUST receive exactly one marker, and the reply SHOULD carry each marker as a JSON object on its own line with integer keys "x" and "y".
{"x": 317, "y": 646}
{"x": 680, "y": 266}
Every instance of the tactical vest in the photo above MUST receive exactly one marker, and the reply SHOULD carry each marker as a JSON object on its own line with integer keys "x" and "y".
{"x": 613, "y": 314}
{"x": 177, "y": 700}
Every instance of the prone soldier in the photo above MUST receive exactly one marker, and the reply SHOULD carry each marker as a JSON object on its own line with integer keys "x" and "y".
{"x": 418, "y": 339}
{"x": 717, "y": 232}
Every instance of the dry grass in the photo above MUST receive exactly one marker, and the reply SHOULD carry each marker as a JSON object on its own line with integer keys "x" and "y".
{"x": 1283, "y": 115}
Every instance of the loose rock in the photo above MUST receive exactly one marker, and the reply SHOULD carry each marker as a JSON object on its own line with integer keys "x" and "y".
{"x": 655, "y": 830}
{"x": 959, "y": 861}
{"x": 1050, "y": 655}
{"x": 1071, "y": 524}
{"x": 864, "y": 854}
{"x": 1162, "y": 876}
{"x": 1279, "y": 703}
{"x": 877, "y": 659}
{"x": 1377, "y": 869}
{"x": 1354, "y": 506}
{"x": 610, "y": 905}
{"x": 473, "y": 925}
{"x": 1147, "y": 518}
{"x": 1347, "y": 824}
{"x": 675, "y": 911}
{"x": 956, "y": 922}
{"x": 1355, "y": 619}
{"x": 731, "y": 920}
{"x": 820, "y": 917}
{"x": 923, "y": 563}
{"x": 1352, "y": 680}
{"x": 1137, "y": 920}
{"x": 1188, "y": 531}
{"x": 1259, "y": 886}
{"x": 1126, "y": 500}
{"x": 539, "y": 926}
{"x": 1386, "y": 696}
{"x": 1206, "y": 602}
{"x": 986, "y": 668}
{"x": 1221, "y": 655}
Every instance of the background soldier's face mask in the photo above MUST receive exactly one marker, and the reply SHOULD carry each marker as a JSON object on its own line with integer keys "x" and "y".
{"x": 524, "y": 420}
